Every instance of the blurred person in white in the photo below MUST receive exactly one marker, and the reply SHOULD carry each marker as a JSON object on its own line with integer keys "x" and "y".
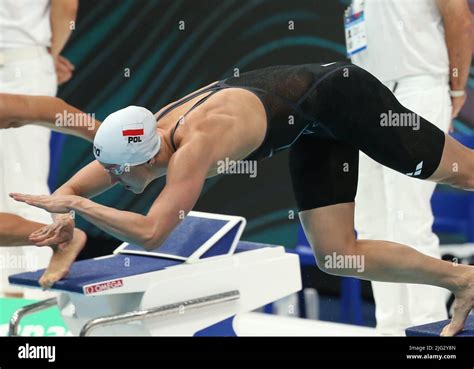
{"x": 421, "y": 50}
{"x": 32, "y": 36}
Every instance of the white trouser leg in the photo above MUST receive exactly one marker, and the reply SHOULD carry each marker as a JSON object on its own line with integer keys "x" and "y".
{"x": 372, "y": 224}
{"x": 409, "y": 221}
{"x": 24, "y": 162}
{"x": 424, "y": 303}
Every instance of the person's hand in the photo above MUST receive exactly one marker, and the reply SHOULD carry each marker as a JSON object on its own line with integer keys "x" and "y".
{"x": 56, "y": 204}
{"x": 458, "y": 103}
{"x": 59, "y": 233}
{"x": 64, "y": 69}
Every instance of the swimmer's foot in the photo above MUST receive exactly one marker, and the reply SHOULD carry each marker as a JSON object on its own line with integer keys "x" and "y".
{"x": 463, "y": 304}
{"x": 62, "y": 260}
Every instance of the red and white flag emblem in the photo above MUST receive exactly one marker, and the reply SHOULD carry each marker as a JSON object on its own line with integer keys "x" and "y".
{"x": 136, "y": 129}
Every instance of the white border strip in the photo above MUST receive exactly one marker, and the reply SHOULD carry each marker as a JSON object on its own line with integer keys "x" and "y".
{"x": 238, "y": 221}
{"x": 153, "y": 254}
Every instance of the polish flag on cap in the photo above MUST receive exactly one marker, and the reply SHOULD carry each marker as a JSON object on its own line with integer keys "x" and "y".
{"x": 136, "y": 129}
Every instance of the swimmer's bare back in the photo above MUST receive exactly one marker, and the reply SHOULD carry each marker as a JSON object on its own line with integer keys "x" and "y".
{"x": 232, "y": 124}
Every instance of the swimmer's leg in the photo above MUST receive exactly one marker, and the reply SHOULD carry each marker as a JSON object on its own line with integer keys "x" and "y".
{"x": 330, "y": 231}
{"x": 359, "y": 110}
{"x": 456, "y": 167}
{"x": 324, "y": 175}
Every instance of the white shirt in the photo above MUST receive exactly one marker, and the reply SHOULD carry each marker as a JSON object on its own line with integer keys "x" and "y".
{"x": 24, "y": 23}
{"x": 404, "y": 38}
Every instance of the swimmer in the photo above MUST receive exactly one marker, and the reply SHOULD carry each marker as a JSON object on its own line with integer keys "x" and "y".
{"x": 323, "y": 114}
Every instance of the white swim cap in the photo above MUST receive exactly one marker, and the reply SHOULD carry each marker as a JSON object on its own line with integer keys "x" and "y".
{"x": 127, "y": 136}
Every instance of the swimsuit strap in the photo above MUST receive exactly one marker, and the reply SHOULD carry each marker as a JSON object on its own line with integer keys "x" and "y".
{"x": 212, "y": 89}
{"x": 184, "y": 100}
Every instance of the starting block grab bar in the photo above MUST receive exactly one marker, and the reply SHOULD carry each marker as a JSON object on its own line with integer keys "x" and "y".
{"x": 19, "y": 314}
{"x": 159, "y": 311}
{"x": 133, "y": 316}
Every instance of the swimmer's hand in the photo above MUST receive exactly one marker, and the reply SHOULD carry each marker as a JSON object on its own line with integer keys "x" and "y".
{"x": 61, "y": 231}
{"x": 59, "y": 204}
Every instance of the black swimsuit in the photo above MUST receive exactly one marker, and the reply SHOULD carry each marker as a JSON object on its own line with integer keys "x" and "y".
{"x": 325, "y": 114}
{"x": 283, "y": 91}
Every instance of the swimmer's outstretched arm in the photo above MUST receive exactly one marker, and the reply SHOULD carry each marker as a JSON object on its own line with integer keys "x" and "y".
{"x": 51, "y": 112}
{"x": 90, "y": 181}
{"x": 187, "y": 172}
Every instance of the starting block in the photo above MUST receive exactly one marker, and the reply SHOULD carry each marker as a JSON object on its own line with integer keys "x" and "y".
{"x": 434, "y": 329}
{"x": 201, "y": 275}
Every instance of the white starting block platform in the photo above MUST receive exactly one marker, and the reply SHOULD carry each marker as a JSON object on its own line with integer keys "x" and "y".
{"x": 201, "y": 276}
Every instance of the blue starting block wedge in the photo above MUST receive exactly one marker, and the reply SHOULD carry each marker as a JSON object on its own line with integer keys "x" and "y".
{"x": 198, "y": 236}
{"x": 434, "y": 329}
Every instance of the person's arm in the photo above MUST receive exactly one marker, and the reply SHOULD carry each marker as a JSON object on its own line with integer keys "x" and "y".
{"x": 47, "y": 111}
{"x": 54, "y": 113}
{"x": 63, "y": 14}
{"x": 15, "y": 230}
{"x": 459, "y": 33}
{"x": 187, "y": 172}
